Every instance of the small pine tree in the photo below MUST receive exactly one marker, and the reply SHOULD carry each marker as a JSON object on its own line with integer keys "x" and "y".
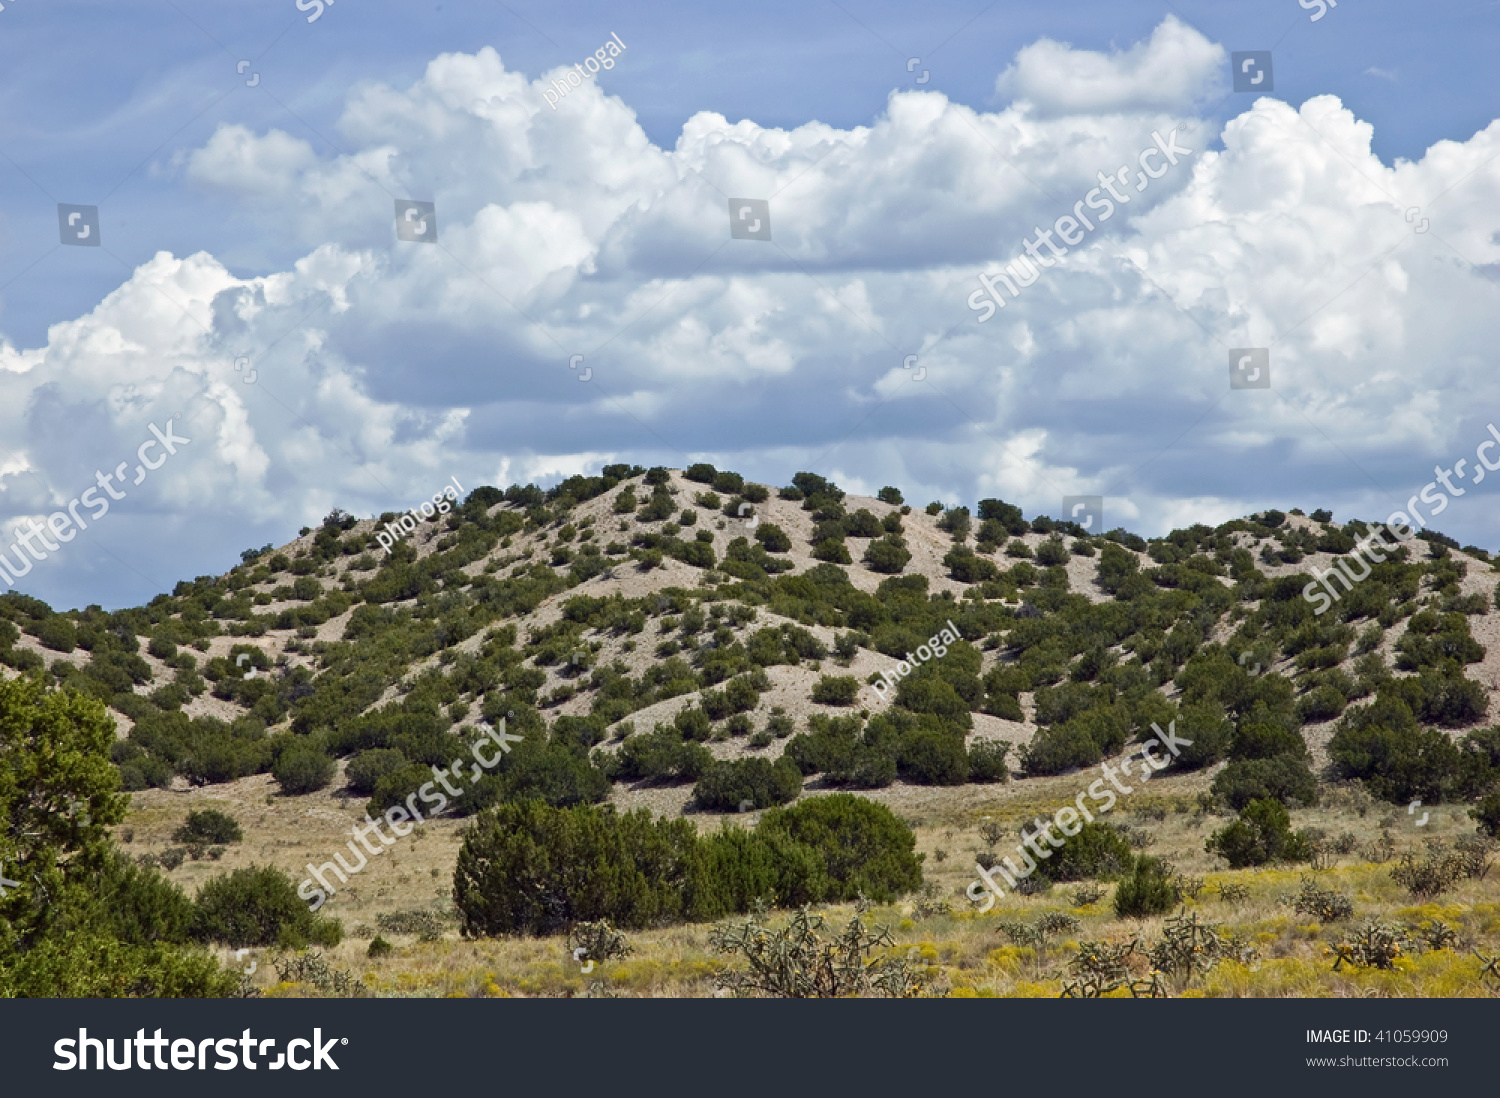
{"x": 1147, "y": 891}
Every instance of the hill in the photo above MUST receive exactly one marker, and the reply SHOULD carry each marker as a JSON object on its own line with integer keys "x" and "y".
{"x": 638, "y": 630}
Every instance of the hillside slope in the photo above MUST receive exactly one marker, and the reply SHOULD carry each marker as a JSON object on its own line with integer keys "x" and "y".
{"x": 723, "y": 619}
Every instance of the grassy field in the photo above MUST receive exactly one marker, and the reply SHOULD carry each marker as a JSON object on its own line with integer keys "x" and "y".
{"x": 963, "y": 952}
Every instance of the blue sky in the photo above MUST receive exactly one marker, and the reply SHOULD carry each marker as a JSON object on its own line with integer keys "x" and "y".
{"x": 589, "y": 230}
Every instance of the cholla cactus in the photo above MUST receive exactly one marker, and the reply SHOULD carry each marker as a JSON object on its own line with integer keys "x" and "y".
{"x": 1434, "y": 935}
{"x": 1374, "y": 945}
{"x": 1324, "y": 904}
{"x": 597, "y": 942}
{"x": 1489, "y": 975}
{"x": 1232, "y": 892}
{"x": 1058, "y": 922}
{"x": 798, "y": 962}
{"x": 1188, "y": 947}
{"x": 930, "y": 902}
{"x": 310, "y": 967}
{"x": 1188, "y": 887}
{"x": 1088, "y": 893}
{"x": 1024, "y": 934}
{"x": 1036, "y": 934}
{"x": 1099, "y": 968}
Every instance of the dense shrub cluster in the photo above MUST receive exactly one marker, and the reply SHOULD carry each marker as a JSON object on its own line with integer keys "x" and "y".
{"x": 528, "y": 868}
{"x": 747, "y": 783}
{"x": 1384, "y": 746}
{"x": 259, "y": 906}
{"x": 83, "y": 920}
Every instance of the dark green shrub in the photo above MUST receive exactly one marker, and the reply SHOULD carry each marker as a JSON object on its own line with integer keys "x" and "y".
{"x": 367, "y": 768}
{"x": 1098, "y": 850}
{"x": 1398, "y": 761}
{"x": 1211, "y": 732}
{"x": 57, "y": 633}
{"x": 928, "y": 692}
{"x": 741, "y": 694}
{"x": 259, "y": 906}
{"x": 772, "y": 537}
{"x": 864, "y": 846}
{"x": 1007, "y": 515}
{"x": 1059, "y": 749}
{"x": 661, "y": 755}
{"x": 930, "y": 756}
{"x": 835, "y": 690}
{"x": 862, "y": 767}
{"x": 966, "y": 567}
{"x": 1263, "y": 737}
{"x": 138, "y": 906}
{"x": 549, "y": 771}
{"x": 208, "y": 827}
{"x": 1051, "y": 552}
{"x": 833, "y": 551}
{"x": 863, "y": 524}
{"x": 827, "y": 745}
{"x": 1322, "y": 703}
{"x": 747, "y": 783}
{"x": 715, "y": 706}
{"x": 1286, "y": 778}
{"x": 526, "y": 867}
{"x": 1487, "y": 814}
{"x": 379, "y": 947}
{"x": 735, "y": 869}
{"x": 303, "y": 769}
{"x": 987, "y": 761}
{"x": 888, "y": 555}
{"x": 1005, "y": 706}
{"x": 1262, "y": 834}
{"x": 1149, "y": 890}
{"x": 395, "y": 786}
{"x": 695, "y": 724}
